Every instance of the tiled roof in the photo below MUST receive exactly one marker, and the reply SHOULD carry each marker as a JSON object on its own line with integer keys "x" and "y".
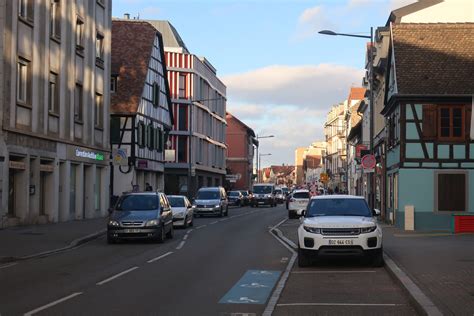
{"x": 434, "y": 59}
{"x": 132, "y": 43}
{"x": 282, "y": 170}
{"x": 356, "y": 93}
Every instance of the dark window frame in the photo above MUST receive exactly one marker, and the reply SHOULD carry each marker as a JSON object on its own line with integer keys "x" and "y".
{"x": 55, "y": 20}
{"x": 53, "y": 96}
{"x": 79, "y": 103}
{"x": 451, "y": 136}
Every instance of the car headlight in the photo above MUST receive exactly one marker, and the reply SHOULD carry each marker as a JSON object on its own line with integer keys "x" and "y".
{"x": 217, "y": 206}
{"x": 193, "y": 206}
{"x": 313, "y": 230}
{"x": 365, "y": 230}
{"x": 114, "y": 223}
{"x": 180, "y": 214}
{"x": 153, "y": 222}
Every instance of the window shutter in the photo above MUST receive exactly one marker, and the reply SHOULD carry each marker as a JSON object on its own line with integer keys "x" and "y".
{"x": 430, "y": 121}
{"x": 468, "y": 121}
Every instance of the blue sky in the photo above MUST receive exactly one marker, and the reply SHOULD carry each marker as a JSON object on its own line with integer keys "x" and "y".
{"x": 281, "y": 76}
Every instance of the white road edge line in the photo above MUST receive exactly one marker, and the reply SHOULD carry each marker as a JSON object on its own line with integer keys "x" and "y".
{"x": 39, "y": 309}
{"x": 181, "y": 244}
{"x": 116, "y": 276}
{"x": 317, "y": 272}
{"x": 337, "y": 304}
{"x": 185, "y": 237}
{"x": 190, "y": 230}
{"x": 213, "y": 223}
{"x": 202, "y": 226}
{"x": 160, "y": 257}
{"x": 8, "y": 265}
{"x": 272, "y": 302}
{"x": 284, "y": 238}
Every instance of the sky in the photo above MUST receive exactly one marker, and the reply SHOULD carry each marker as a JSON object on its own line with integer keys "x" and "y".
{"x": 282, "y": 77}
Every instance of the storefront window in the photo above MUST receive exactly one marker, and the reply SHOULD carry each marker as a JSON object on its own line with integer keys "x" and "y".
{"x": 98, "y": 186}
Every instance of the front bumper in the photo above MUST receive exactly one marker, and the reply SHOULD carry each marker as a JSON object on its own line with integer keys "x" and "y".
{"x": 133, "y": 233}
{"x": 330, "y": 245}
{"x": 207, "y": 210}
{"x": 263, "y": 201}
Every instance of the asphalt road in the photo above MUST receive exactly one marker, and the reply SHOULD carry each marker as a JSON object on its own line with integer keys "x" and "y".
{"x": 221, "y": 266}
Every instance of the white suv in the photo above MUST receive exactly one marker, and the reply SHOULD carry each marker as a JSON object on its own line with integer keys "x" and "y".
{"x": 298, "y": 202}
{"x": 339, "y": 225}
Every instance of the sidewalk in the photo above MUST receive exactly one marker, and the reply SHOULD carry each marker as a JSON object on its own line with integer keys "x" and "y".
{"x": 442, "y": 265}
{"x": 20, "y": 242}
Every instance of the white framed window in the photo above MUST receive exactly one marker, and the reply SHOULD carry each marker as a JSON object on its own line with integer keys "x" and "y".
{"x": 53, "y": 102}
{"x": 79, "y": 34}
{"x": 22, "y": 81}
{"x": 55, "y": 19}
{"x": 99, "y": 46}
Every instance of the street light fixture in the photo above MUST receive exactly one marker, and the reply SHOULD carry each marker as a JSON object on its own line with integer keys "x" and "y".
{"x": 258, "y": 163}
{"x": 371, "y": 100}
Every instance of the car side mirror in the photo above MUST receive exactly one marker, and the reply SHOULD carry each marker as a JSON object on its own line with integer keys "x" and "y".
{"x": 110, "y": 210}
{"x": 376, "y": 212}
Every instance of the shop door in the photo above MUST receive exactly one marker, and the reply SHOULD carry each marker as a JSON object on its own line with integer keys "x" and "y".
{"x": 11, "y": 192}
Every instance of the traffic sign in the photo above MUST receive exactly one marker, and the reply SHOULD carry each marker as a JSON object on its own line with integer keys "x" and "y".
{"x": 368, "y": 162}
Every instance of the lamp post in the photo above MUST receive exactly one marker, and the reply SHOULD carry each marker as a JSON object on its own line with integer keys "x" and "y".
{"x": 260, "y": 158}
{"x": 371, "y": 101}
{"x": 258, "y": 162}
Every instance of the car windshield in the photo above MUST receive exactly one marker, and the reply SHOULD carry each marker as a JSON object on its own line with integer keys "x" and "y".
{"x": 338, "y": 207}
{"x": 301, "y": 195}
{"x": 207, "y": 195}
{"x": 176, "y": 201}
{"x": 277, "y": 191}
{"x": 234, "y": 193}
{"x": 138, "y": 202}
{"x": 262, "y": 189}
{"x": 245, "y": 193}
{"x": 285, "y": 190}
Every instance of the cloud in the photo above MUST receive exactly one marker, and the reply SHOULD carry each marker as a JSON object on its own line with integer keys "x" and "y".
{"x": 315, "y": 86}
{"x": 310, "y": 21}
{"x": 352, "y": 4}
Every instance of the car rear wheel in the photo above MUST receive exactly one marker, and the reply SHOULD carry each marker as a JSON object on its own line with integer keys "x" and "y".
{"x": 303, "y": 259}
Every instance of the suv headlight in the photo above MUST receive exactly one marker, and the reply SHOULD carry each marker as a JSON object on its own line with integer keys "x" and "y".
{"x": 217, "y": 206}
{"x": 365, "y": 230}
{"x": 313, "y": 230}
{"x": 114, "y": 223}
{"x": 153, "y": 222}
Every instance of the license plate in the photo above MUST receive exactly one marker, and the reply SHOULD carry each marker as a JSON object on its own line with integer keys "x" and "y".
{"x": 261, "y": 202}
{"x": 340, "y": 242}
{"x": 128, "y": 231}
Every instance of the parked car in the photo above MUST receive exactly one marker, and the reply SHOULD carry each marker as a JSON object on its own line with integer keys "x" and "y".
{"x": 140, "y": 215}
{"x": 286, "y": 191}
{"x": 182, "y": 210}
{"x": 339, "y": 225}
{"x": 247, "y": 196}
{"x": 235, "y": 198}
{"x": 298, "y": 202}
{"x": 211, "y": 201}
{"x": 263, "y": 194}
{"x": 279, "y": 196}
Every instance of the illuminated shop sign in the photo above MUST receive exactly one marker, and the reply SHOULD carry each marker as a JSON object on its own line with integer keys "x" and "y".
{"x": 89, "y": 154}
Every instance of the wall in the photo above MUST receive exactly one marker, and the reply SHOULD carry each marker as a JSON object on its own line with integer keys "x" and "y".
{"x": 449, "y": 11}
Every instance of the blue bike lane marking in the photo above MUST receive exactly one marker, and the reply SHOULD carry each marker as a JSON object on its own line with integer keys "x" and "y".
{"x": 254, "y": 287}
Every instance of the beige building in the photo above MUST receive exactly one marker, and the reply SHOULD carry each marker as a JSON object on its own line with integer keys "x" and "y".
{"x": 54, "y": 139}
{"x": 299, "y": 153}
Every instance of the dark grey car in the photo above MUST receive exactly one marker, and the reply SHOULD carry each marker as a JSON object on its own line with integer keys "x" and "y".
{"x": 144, "y": 215}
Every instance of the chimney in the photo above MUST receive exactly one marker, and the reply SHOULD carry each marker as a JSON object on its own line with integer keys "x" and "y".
{"x": 126, "y": 16}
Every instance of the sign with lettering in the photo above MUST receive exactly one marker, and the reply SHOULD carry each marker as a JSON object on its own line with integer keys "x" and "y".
{"x": 89, "y": 154}
{"x": 19, "y": 165}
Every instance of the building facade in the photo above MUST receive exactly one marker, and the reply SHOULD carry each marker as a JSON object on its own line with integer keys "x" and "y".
{"x": 299, "y": 170}
{"x": 141, "y": 113}
{"x": 54, "y": 157}
{"x": 335, "y": 159}
{"x": 241, "y": 142}
{"x": 199, "y": 109}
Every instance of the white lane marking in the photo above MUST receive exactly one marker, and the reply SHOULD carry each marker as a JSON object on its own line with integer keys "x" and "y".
{"x": 281, "y": 284}
{"x": 223, "y": 220}
{"x": 283, "y": 237}
{"x": 8, "y": 265}
{"x": 116, "y": 276}
{"x": 181, "y": 244}
{"x": 317, "y": 272}
{"x": 337, "y": 304}
{"x": 39, "y": 309}
{"x": 213, "y": 223}
{"x": 185, "y": 237}
{"x": 284, "y": 259}
{"x": 202, "y": 226}
{"x": 160, "y": 257}
{"x": 189, "y": 230}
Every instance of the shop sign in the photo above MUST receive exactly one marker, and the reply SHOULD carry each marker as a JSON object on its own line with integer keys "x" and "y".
{"x": 120, "y": 157}
{"x": 47, "y": 168}
{"x": 89, "y": 154}
{"x": 142, "y": 164}
{"x": 232, "y": 178}
{"x": 359, "y": 149}
{"x": 170, "y": 155}
{"x": 19, "y": 165}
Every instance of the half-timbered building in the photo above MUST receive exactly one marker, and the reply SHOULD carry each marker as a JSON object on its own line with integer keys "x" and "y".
{"x": 428, "y": 108}
{"x": 141, "y": 114}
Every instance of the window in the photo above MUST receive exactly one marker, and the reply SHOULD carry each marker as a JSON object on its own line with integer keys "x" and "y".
{"x": 23, "y": 82}
{"x": 451, "y": 192}
{"x": 25, "y": 9}
{"x": 451, "y": 122}
{"x": 160, "y": 140}
{"x": 99, "y": 46}
{"x": 156, "y": 94}
{"x": 113, "y": 84}
{"x": 78, "y": 106}
{"x": 98, "y": 187}
{"x": 182, "y": 117}
{"x": 79, "y": 35}
{"x": 53, "y": 94}
{"x": 99, "y": 110}
{"x": 182, "y": 86}
{"x": 150, "y": 136}
{"x": 55, "y": 19}
{"x": 141, "y": 134}
{"x": 182, "y": 149}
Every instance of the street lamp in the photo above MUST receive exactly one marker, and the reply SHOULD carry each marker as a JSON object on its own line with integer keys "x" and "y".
{"x": 258, "y": 163}
{"x": 371, "y": 100}
{"x": 259, "y": 160}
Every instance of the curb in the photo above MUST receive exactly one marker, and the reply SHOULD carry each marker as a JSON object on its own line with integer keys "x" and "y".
{"x": 421, "y": 302}
{"x": 72, "y": 244}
